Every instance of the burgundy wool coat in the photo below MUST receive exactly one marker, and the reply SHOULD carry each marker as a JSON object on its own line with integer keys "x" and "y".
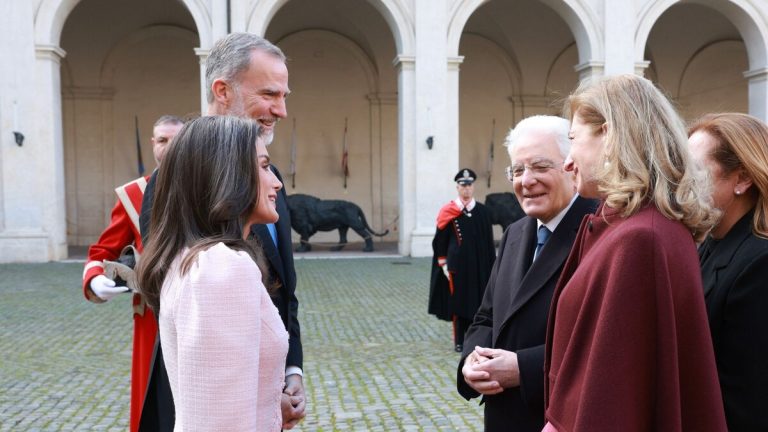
{"x": 628, "y": 345}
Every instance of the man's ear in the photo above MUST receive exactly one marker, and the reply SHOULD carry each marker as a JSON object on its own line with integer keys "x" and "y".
{"x": 222, "y": 92}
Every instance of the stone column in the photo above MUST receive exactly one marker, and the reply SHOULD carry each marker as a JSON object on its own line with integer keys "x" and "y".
{"x": 758, "y": 92}
{"x": 47, "y": 142}
{"x": 202, "y": 55}
{"x": 406, "y": 159}
{"x": 436, "y": 117}
{"x": 620, "y": 22}
{"x": 219, "y": 21}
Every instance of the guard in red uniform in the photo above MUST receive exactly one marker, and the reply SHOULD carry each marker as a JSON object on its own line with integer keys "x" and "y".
{"x": 123, "y": 230}
{"x": 463, "y": 257}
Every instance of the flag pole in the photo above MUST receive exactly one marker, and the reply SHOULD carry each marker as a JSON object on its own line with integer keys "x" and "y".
{"x": 138, "y": 145}
{"x": 293, "y": 155}
{"x": 489, "y": 167}
{"x": 345, "y": 155}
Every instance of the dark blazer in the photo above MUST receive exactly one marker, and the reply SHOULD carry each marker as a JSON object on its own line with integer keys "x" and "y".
{"x": 281, "y": 266}
{"x": 513, "y": 317}
{"x": 735, "y": 275}
{"x": 158, "y": 413}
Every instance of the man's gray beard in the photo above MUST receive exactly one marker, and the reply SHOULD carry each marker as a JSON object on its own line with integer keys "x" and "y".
{"x": 238, "y": 110}
{"x": 268, "y": 137}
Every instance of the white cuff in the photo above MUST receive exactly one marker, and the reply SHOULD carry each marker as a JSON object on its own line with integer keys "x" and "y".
{"x": 293, "y": 370}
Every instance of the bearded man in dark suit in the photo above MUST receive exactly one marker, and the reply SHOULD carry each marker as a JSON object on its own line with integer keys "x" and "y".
{"x": 503, "y": 356}
{"x": 246, "y": 76}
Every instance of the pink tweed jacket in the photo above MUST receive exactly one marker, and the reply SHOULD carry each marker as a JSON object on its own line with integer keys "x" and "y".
{"x": 224, "y": 344}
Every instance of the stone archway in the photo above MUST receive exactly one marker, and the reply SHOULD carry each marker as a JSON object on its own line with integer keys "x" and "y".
{"x": 580, "y": 18}
{"x": 393, "y": 11}
{"x": 752, "y": 28}
{"x": 49, "y": 23}
{"x": 512, "y": 69}
{"x": 311, "y": 138}
{"x": 384, "y": 104}
{"x": 53, "y": 14}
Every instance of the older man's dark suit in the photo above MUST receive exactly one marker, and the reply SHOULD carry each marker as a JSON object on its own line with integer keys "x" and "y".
{"x": 158, "y": 414}
{"x": 513, "y": 317}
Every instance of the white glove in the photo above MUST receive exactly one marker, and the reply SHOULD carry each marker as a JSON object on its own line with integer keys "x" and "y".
{"x": 445, "y": 271}
{"x": 105, "y": 288}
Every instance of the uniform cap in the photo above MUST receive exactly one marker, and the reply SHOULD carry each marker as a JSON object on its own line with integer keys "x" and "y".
{"x": 465, "y": 176}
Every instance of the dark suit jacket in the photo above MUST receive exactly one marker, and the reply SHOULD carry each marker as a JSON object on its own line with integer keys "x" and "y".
{"x": 281, "y": 266}
{"x": 513, "y": 317}
{"x": 735, "y": 277}
{"x": 158, "y": 413}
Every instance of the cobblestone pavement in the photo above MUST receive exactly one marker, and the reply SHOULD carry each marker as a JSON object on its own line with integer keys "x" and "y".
{"x": 374, "y": 360}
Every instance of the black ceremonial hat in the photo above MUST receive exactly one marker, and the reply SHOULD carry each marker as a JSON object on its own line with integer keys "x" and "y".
{"x": 465, "y": 176}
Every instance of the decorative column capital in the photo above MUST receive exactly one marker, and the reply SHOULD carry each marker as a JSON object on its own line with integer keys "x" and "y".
{"x": 589, "y": 69}
{"x": 53, "y": 53}
{"x": 641, "y": 66}
{"x": 757, "y": 74}
{"x": 202, "y": 54}
{"x": 454, "y": 62}
{"x": 404, "y": 62}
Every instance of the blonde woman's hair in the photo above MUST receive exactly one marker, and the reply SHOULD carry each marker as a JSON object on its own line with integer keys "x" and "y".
{"x": 742, "y": 143}
{"x": 646, "y": 151}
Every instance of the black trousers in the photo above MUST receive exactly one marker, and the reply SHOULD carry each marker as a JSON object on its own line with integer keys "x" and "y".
{"x": 158, "y": 413}
{"x": 460, "y": 327}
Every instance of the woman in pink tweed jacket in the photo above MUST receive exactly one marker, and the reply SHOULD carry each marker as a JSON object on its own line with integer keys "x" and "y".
{"x": 223, "y": 341}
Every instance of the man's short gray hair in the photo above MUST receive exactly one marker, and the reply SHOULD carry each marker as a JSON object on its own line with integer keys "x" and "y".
{"x": 168, "y": 119}
{"x": 557, "y": 126}
{"x": 231, "y": 56}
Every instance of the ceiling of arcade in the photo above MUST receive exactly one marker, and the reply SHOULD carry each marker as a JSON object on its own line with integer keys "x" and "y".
{"x": 698, "y": 57}
{"x": 96, "y": 27}
{"x": 529, "y": 32}
{"x": 355, "y": 20}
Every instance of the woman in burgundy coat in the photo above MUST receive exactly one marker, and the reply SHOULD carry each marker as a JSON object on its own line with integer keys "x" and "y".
{"x": 628, "y": 347}
{"x": 734, "y": 261}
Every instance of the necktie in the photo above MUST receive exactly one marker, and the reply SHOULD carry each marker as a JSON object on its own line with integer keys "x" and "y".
{"x": 542, "y": 236}
{"x": 272, "y": 232}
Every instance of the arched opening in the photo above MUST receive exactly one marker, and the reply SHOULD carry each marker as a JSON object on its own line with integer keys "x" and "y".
{"x": 699, "y": 58}
{"x": 519, "y": 60}
{"x": 114, "y": 74}
{"x": 340, "y": 65}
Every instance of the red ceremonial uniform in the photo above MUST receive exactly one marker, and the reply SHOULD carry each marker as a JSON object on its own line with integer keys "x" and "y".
{"x": 123, "y": 230}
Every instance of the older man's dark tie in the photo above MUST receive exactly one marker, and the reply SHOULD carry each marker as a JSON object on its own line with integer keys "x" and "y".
{"x": 542, "y": 236}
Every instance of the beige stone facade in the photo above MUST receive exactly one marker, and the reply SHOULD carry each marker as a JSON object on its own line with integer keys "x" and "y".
{"x": 77, "y": 74}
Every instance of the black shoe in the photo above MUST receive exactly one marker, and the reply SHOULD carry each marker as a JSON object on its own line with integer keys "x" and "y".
{"x": 458, "y": 348}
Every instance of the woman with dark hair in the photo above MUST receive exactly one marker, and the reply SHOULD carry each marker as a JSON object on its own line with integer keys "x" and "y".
{"x": 627, "y": 342}
{"x": 734, "y": 261}
{"x": 223, "y": 341}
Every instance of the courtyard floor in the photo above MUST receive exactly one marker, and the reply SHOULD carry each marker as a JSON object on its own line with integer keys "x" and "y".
{"x": 373, "y": 359}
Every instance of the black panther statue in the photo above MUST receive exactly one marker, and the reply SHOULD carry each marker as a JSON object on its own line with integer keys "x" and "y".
{"x": 310, "y": 214}
{"x": 504, "y": 208}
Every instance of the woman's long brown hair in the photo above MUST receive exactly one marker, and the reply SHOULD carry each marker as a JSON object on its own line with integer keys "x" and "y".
{"x": 204, "y": 192}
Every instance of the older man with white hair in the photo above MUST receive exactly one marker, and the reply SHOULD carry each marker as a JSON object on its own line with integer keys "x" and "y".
{"x": 503, "y": 357}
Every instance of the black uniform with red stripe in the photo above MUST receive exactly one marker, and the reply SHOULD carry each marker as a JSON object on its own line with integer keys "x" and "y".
{"x": 466, "y": 245}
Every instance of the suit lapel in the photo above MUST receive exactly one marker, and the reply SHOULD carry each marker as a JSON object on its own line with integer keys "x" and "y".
{"x": 269, "y": 248}
{"x": 724, "y": 252}
{"x": 552, "y": 257}
{"x": 283, "y": 229}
